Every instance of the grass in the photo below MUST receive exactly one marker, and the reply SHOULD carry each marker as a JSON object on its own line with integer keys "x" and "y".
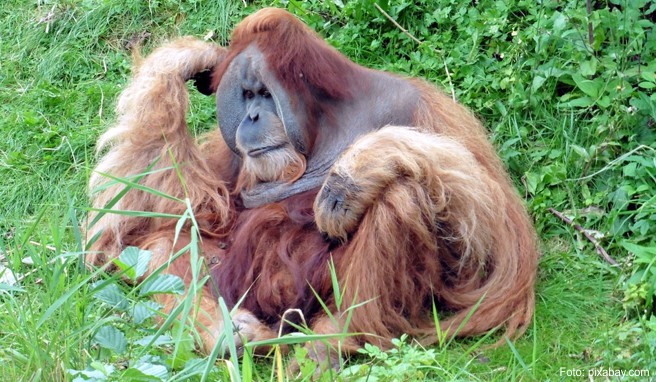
{"x": 573, "y": 119}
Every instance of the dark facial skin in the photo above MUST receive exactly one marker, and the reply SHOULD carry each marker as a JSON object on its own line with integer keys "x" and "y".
{"x": 254, "y": 134}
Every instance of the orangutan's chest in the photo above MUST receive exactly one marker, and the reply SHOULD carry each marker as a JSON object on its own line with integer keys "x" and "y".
{"x": 274, "y": 263}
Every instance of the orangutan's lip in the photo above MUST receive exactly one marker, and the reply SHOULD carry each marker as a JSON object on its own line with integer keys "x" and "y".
{"x": 261, "y": 150}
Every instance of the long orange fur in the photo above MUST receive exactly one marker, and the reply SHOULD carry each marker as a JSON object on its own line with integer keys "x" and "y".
{"x": 441, "y": 221}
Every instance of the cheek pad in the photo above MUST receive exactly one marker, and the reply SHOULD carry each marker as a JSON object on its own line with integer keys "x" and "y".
{"x": 230, "y": 105}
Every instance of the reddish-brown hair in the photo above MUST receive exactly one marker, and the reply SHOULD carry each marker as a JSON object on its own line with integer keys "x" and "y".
{"x": 277, "y": 253}
{"x": 301, "y": 60}
{"x": 439, "y": 219}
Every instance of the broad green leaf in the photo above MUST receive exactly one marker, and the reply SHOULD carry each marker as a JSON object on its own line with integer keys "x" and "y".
{"x": 589, "y": 67}
{"x": 134, "y": 261}
{"x": 604, "y": 102}
{"x": 97, "y": 372}
{"x": 533, "y": 180}
{"x": 559, "y": 21}
{"x": 111, "y": 295}
{"x": 162, "y": 284}
{"x": 648, "y": 76}
{"x": 578, "y": 102}
{"x": 144, "y": 310}
{"x": 589, "y": 87}
{"x": 111, "y": 338}
{"x": 643, "y": 254}
{"x": 146, "y": 372}
{"x": 154, "y": 341}
{"x": 629, "y": 170}
{"x": 537, "y": 83}
{"x": 154, "y": 370}
{"x": 133, "y": 374}
{"x": 102, "y": 367}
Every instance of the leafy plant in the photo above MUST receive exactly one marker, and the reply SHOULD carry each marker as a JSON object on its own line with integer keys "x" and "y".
{"x": 128, "y": 333}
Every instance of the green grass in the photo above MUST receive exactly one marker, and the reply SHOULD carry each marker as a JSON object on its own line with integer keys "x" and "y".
{"x": 573, "y": 116}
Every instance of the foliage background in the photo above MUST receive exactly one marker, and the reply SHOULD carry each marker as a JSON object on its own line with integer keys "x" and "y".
{"x": 566, "y": 89}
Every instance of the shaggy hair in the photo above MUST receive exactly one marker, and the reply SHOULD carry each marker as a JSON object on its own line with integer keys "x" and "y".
{"x": 434, "y": 218}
